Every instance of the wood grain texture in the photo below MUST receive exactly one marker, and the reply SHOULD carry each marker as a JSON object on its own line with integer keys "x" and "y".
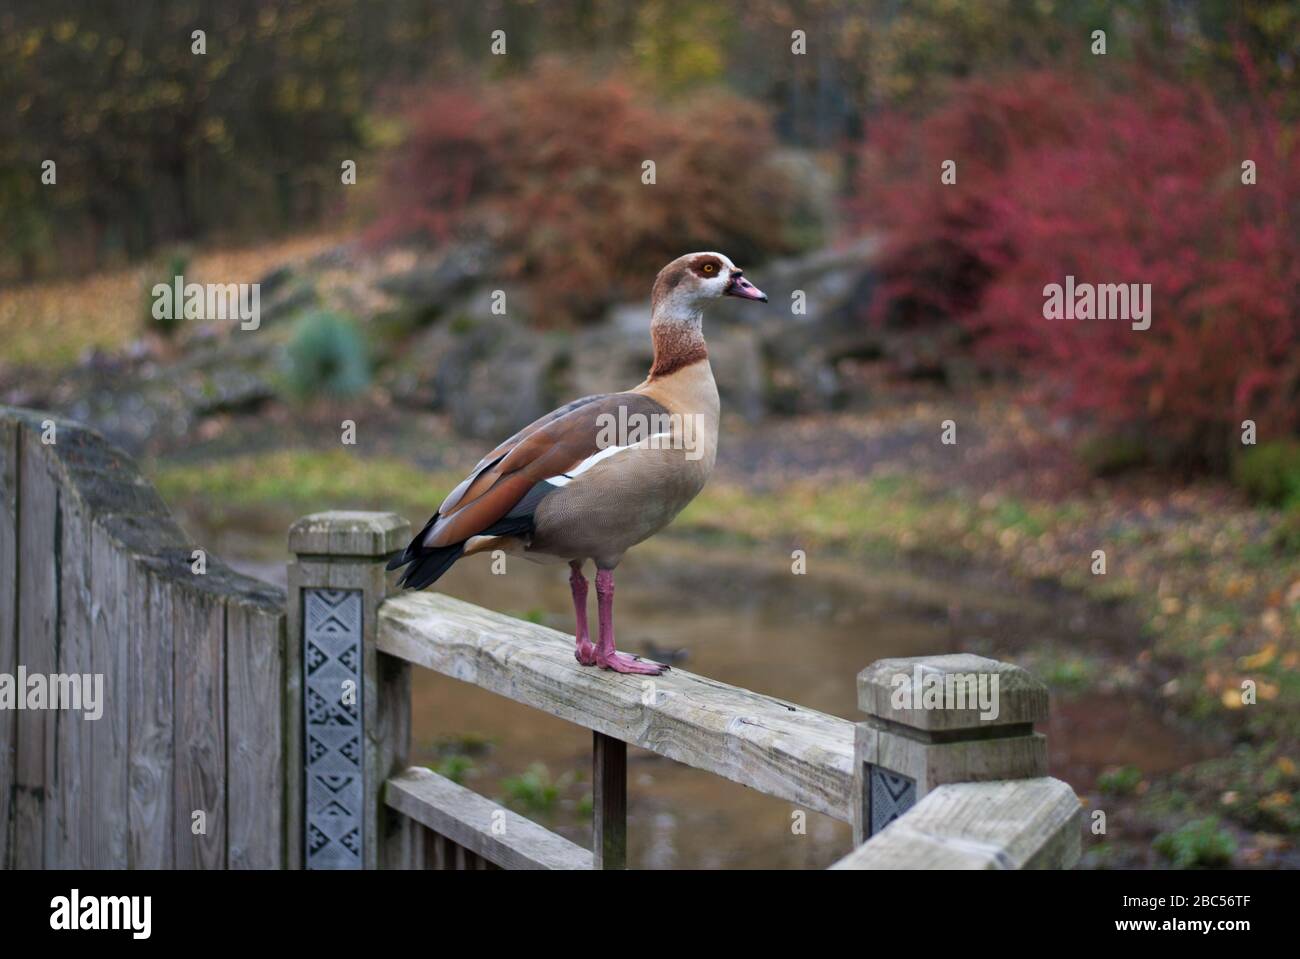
{"x": 1015, "y": 824}
{"x": 293, "y": 721}
{"x": 200, "y": 731}
{"x": 783, "y": 750}
{"x": 70, "y": 843}
{"x": 609, "y": 801}
{"x": 95, "y": 575}
{"x": 111, "y": 616}
{"x": 254, "y": 747}
{"x": 152, "y": 759}
{"x": 38, "y": 639}
{"x": 405, "y": 844}
{"x": 349, "y": 533}
{"x": 9, "y": 505}
{"x": 467, "y": 819}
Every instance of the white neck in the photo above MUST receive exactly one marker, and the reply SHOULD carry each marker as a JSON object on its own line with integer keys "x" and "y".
{"x": 679, "y": 310}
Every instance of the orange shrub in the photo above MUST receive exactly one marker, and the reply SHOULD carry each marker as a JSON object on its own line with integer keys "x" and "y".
{"x": 550, "y": 167}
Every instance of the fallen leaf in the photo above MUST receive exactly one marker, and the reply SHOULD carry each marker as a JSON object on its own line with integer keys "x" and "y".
{"x": 1260, "y": 659}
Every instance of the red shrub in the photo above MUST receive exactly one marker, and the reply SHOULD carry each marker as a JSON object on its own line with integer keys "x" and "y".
{"x": 550, "y": 165}
{"x": 1144, "y": 186}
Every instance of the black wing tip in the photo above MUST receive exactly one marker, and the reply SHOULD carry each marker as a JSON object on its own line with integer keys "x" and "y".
{"x": 427, "y": 566}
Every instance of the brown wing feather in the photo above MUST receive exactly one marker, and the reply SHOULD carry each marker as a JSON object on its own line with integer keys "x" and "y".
{"x": 553, "y": 445}
{"x": 450, "y": 504}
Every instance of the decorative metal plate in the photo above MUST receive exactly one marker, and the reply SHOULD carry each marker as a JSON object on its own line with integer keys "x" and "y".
{"x": 891, "y": 796}
{"x": 331, "y": 655}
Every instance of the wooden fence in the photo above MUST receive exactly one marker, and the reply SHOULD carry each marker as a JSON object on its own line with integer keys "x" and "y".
{"x": 184, "y": 768}
{"x": 283, "y": 723}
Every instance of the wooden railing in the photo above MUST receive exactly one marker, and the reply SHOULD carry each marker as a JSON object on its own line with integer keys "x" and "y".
{"x": 243, "y": 728}
{"x": 922, "y": 785}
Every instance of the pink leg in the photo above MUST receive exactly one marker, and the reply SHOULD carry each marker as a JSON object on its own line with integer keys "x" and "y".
{"x": 606, "y": 655}
{"x": 586, "y": 652}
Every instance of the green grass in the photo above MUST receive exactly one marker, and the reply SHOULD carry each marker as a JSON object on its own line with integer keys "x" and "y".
{"x": 1122, "y": 781}
{"x": 1201, "y": 844}
{"x": 455, "y": 767}
{"x": 304, "y": 479}
{"x": 535, "y": 789}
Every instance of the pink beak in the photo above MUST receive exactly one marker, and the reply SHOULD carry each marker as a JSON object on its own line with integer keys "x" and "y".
{"x": 741, "y": 287}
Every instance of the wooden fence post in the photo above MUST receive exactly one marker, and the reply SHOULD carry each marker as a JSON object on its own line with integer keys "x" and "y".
{"x": 933, "y": 720}
{"x": 348, "y": 704}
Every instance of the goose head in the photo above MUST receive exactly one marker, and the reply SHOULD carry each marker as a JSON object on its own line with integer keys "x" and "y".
{"x": 685, "y": 286}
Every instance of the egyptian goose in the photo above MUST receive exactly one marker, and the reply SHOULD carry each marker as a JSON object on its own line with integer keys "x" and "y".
{"x": 603, "y": 473}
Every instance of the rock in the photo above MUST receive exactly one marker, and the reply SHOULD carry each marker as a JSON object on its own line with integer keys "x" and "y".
{"x": 290, "y": 298}
{"x": 496, "y": 376}
{"x": 430, "y": 286}
{"x": 736, "y": 355}
{"x": 800, "y": 352}
{"x": 227, "y": 390}
{"x": 611, "y": 356}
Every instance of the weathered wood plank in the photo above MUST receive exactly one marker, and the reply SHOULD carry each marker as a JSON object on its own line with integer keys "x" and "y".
{"x": 345, "y": 552}
{"x": 200, "y": 730}
{"x": 405, "y": 846}
{"x": 9, "y": 435}
{"x": 292, "y": 719}
{"x": 38, "y": 615}
{"x": 438, "y": 850}
{"x": 151, "y": 781}
{"x": 777, "y": 748}
{"x": 609, "y": 801}
{"x": 393, "y": 738}
{"x": 69, "y": 843}
{"x": 1012, "y": 824}
{"x": 255, "y": 753}
{"x": 111, "y": 617}
{"x": 479, "y": 826}
{"x": 98, "y": 526}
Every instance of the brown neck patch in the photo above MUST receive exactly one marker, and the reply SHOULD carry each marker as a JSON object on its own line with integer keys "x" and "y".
{"x": 675, "y": 347}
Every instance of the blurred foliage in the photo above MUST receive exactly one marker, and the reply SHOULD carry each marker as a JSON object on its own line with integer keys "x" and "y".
{"x": 54, "y": 322}
{"x": 1201, "y": 844}
{"x": 1119, "y": 781}
{"x": 1158, "y": 173}
{"x": 173, "y": 265}
{"x": 298, "y": 479}
{"x": 327, "y": 355}
{"x": 1270, "y": 473}
{"x": 535, "y": 789}
{"x": 155, "y": 143}
{"x": 455, "y": 767}
{"x": 1285, "y": 537}
{"x": 549, "y": 166}
{"x": 1110, "y": 454}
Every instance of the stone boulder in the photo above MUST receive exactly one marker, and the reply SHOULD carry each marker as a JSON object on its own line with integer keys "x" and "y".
{"x": 493, "y": 375}
{"x": 440, "y": 280}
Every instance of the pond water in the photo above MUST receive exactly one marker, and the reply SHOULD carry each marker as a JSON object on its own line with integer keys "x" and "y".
{"x": 742, "y": 617}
